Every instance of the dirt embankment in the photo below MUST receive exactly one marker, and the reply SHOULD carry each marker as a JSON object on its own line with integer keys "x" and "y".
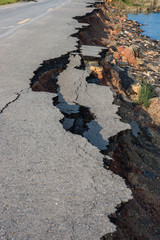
{"x": 131, "y": 60}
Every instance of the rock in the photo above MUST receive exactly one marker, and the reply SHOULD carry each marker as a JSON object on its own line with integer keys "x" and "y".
{"x": 113, "y": 48}
{"x": 108, "y": 58}
{"x": 136, "y": 50}
{"x": 140, "y": 61}
{"x": 97, "y": 71}
{"x": 127, "y": 100}
{"x": 68, "y": 123}
{"x": 157, "y": 90}
{"x": 114, "y": 61}
{"x": 136, "y": 87}
{"x": 126, "y": 80}
{"x": 132, "y": 178}
{"x": 117, "y": 68}
{"x": 135, "y": 128}
{"x": 153, "y": 68}
{"x": 107, "y": 67}
{"x": 97, "y": 42}
{"x": 149, "y": 174}
{"x": 146, "y": 132}
{"x": 121, "y": 63}
{"x": 120, "y": 49}
{"x": 129, "y": 55}
{"x": 154, "y": 110}
{"x": 143, "y": 47}
{"x": 124, "y": 59}
{"x": 116, "y": 56}
{"x": 123, "y": 19}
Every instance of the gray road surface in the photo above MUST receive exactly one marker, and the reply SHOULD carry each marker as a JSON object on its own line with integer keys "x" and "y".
{"x": 52, "y": 183}
{"x": 14, "y": 16}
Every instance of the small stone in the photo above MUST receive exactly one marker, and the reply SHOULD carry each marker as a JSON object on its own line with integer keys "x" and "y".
{"x": 129, "y": 55}
{"x": 116, "y": 56}
{"x": 114, "y": 61}
{"x": 108, "y": 58}
{"x": 135, "y": 128}
{"x": 154, "y": 110}
{"x": 98, "y": 71}
{"x": 140, "y": 61}
{"x": 68, "y": 123}
{"x": 136, "y": 87}
{"x": 120, "y": 49}
{"x": 153, "y": 68}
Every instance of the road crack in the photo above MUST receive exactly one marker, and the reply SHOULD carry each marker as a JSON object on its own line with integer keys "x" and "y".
{"x": 14, "y": 100}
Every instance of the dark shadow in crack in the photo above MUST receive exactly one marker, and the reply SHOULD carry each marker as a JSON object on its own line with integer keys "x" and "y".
{"x": 77, "y": 119}
{"x": 93, "y": 80}
{"x": 80, "y": 120}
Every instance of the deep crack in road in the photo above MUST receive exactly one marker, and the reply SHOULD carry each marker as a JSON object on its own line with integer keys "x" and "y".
{"x": 53, "y": 183}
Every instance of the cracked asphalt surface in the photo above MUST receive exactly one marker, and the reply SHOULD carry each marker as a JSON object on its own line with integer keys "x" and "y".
{"x": 75, "y": 90}
{"x": 53, "y": 183}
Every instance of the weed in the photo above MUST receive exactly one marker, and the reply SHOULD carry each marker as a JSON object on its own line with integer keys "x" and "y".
{"x": 124, "y": 3}
{"x": 145, "y": 94}
{"x": 3, "y": 2}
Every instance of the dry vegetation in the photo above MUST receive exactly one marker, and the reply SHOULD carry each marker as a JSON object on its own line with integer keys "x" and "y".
{"x": 3, "y": 2}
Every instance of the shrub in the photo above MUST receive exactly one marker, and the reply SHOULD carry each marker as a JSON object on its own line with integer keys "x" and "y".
{"x": 145, "y": 94}
{"x": 3, "y": 2}
{"x": 123, "y": 3}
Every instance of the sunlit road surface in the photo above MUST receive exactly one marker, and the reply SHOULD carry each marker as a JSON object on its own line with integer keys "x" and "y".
{"x": 53, "y": 184}
{"x": 14, "y": 16}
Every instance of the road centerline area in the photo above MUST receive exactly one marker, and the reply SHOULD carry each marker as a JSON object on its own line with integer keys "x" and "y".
{"x": 24, "y": 21}
{"x": 50, "y": 9}
{"x": 20, "y": 14}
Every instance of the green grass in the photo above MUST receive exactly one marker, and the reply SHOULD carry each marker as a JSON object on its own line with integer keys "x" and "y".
{"x": 145, "y": 94}
{"x": 3, "y": 2}
{"x": 128, "y": 2}
{"x": 124, "y": 3}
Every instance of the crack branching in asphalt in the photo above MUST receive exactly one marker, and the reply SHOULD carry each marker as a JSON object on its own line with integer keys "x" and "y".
{"x": 46, "y": 78}
{"x": 77, "y": 117}
{"x": 18, "y": 95}
{"x": 14, "y": 100}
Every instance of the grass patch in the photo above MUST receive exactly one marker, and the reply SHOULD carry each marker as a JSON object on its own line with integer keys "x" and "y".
{"x": 128, "y": 2}
{"x": 145, "y": 94}
{"x": 3, "y": 2}
{"x": 124, "y": 3}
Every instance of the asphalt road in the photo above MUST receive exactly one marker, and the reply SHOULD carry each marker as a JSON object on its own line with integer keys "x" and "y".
{"x": 52, "y": 183}
{"x": 14, "y": 16}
